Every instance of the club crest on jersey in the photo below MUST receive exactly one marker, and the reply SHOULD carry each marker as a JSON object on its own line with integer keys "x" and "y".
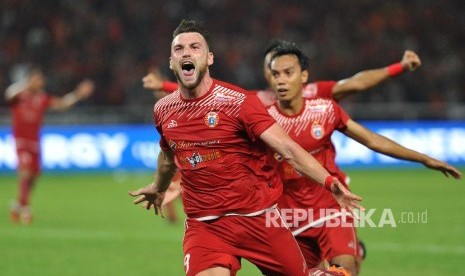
{"x": 317, "y": 131}
{"x": 212, "y": 119}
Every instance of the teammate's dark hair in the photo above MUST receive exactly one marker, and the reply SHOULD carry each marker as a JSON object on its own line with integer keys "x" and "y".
{"x": 272, "y": 46}
{"x": 290, "y": 48}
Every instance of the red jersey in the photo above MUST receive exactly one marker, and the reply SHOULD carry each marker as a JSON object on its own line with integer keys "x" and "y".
{"x": 28, "y": 110}
{"x": 215, "y": 139}
{"x": 318, "y": 89}
{"x": 311, "y": 129}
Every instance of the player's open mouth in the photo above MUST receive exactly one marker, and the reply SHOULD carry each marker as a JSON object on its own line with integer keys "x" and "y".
{"x": 282, "y": 91}
{"x": 188, "y": 68}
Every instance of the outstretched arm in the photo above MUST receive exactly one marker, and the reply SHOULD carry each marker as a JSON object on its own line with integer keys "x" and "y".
{"x": 14, "y": 90}
{"x": 152, "y": 195}
{"x": 388, "y": 147}
{"x": 82, "y": 91}
{"x": 153, "y": 81}
{"x": 303, "y": 162}
{"x": 367, "y": 79}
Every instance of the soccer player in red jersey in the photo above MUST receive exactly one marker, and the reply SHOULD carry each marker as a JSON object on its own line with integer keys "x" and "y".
{"x": 337, "y": 90}
{"x": 217, "y": 135}
{"x": 29, "y": 102}
{"x": 310, "y": 122}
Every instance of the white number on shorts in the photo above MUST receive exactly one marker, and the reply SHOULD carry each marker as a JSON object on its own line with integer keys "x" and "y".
{"x": 186, "y": 262}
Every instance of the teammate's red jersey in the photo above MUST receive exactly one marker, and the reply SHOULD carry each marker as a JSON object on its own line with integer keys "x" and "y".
{"x": 318, "y": 89}
{"x": 215, "y": 138}
{"x": 28, "y": 110}
{"x": 311, "y": 129}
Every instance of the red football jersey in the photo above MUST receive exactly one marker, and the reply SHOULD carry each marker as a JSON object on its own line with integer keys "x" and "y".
{"x": 318, "y": 89}
{"x": 215, "y": 139}
{"x": 312, "y": 129}
{"x": 28, "y": 110}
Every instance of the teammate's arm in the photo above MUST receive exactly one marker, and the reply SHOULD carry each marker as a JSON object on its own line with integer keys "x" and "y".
{"x": 14, "y": 90}
{"x": 369, "y": 78}
{"x": 153, "y": 194}
{"x": 82, "y": 91}
{"x": 155, "y": 82}
{"x": 278, "y": 140}
{"x": 388, "y": 147}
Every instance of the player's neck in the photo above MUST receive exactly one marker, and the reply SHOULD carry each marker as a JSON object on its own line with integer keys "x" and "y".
{"x": 199, "y": 90}
{"x": 291, "y": 107}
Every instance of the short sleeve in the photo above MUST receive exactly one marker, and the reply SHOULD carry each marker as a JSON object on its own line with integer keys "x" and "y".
{"x": 163, "y": 144}
{"x": 319, "y": 89}
{"x": 255, "y": 117}
{"x": 46, "y": 100}
{"x": 342, "y": 115}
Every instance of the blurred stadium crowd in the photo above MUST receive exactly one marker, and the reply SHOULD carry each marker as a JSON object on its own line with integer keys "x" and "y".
{"x": 116, "y": 42}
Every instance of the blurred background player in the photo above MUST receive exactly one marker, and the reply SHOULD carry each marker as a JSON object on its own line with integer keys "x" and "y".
{"x": 311, "y": 122}
{"x": 29, "y": 102}
{"x": 359, "y": 82}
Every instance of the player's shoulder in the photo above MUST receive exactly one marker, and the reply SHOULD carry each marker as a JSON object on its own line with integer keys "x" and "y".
{"x": 167, "y": 100}
{"x": 230, "y": 87}
{"x": 318, "y": 89}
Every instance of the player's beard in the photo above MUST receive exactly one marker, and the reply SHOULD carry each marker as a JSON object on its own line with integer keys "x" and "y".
{"x": 200, "y": 76}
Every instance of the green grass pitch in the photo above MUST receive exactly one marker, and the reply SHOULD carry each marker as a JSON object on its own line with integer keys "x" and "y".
{"x": 85, "y": 224}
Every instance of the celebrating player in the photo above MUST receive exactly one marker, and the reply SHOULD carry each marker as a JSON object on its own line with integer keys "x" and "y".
{"x": 360, "y": 82}
{"x": 310, "y": 122}
{"x": 29, "y": 102}
{"x": 216, "y": 135}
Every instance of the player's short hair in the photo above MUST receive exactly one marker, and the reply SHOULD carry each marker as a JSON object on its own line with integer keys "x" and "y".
{"x": 272, "y": 46}
{"x": 290, "y": 48}
{"x": 34, "y": 69}
{"x": 192, "y": 26}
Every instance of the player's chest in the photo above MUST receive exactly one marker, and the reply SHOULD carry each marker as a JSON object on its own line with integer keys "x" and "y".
{"x": 31, "y": 108}
{"x": 200, "y": 125}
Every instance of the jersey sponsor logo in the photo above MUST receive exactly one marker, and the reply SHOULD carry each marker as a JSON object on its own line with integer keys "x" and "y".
{"x": 197, "y": 158}
{"x": 212, "y": 119}
{"x": 317, "y": 131}
{"x": 172, "y": 124}
{"x": 173, "y": 145}
{"x": 188, "y": 144}
{"x": 223, "y": 98}
{"x": 320, "y": 108}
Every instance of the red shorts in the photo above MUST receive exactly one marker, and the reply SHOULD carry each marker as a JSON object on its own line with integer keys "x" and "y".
{"x": 327, "y": 242}
{"x": 224, "y": 241}
{"x": 28, "y": 160}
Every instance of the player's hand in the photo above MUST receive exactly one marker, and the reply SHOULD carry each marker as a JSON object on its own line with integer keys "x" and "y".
{"x": 445, "y": 168}
{"x": 84, "y": 89}
{"x": 151, "y": 197}
{"x": 345, "y": 198}
{"x": 152, "y": 81}
{"x": 410, "y": 61}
